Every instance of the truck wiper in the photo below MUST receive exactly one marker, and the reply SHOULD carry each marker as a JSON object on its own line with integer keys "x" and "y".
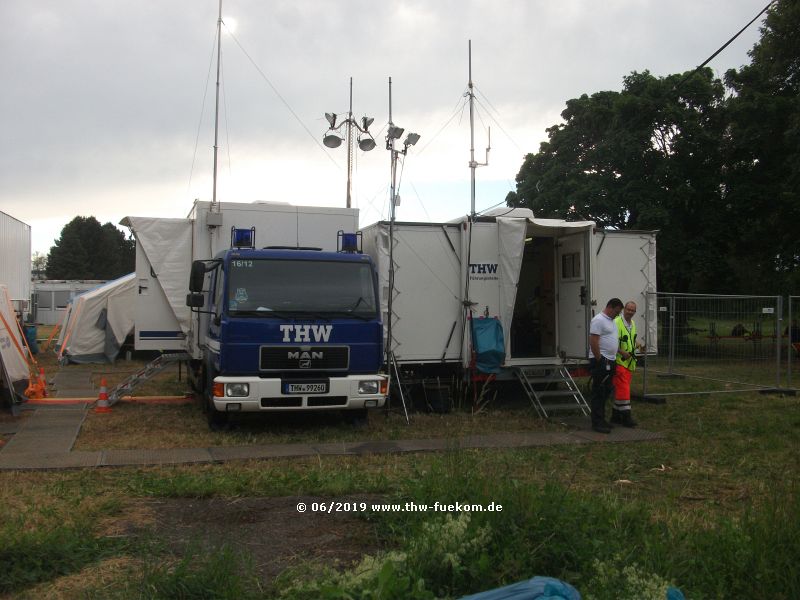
{"x": 349, "y": 313}
{"x": 310, "y": 313}
{"x": 262, "y": 314}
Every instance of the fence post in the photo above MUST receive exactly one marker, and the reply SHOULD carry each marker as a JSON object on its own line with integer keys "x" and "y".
{"x": 647, "y": 340}
{"x": 671, "y": 334}
{"x": 778, "y": 334}
{"x": 789, "y": 345}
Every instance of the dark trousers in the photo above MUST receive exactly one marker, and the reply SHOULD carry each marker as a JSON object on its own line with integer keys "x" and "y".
{"x": 602, "y": 371}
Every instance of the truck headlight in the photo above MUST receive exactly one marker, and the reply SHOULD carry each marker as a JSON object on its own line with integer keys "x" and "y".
{"x": 367, "y": 387}
{"x": 237, "y": 390}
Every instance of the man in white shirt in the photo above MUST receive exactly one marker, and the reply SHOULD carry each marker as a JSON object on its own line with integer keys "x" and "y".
{"x": 603, "y": 346}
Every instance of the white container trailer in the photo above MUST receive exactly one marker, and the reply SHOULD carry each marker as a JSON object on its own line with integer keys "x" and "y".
{"x": 52, "y": 297}
{"x": 15, "y": 268}
{"x": 543, "y": 279}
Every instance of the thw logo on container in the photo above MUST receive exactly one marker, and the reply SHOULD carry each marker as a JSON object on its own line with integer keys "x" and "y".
{"x": 482, "y": 268}
{"x": 305, "y": 333}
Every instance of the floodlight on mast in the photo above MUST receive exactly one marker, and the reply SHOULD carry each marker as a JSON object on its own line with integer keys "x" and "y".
{"x": 334, "y": 139}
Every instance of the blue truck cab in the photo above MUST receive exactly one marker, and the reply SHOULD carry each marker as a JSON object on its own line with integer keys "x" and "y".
{"x": 289, "y": 329}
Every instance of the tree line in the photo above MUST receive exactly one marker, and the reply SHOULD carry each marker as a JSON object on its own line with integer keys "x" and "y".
{"x": 88, "y": 250}
{"x": 712, "y": 164}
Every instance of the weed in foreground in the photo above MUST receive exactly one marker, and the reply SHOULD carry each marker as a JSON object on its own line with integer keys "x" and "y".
{"x": 606, "y": 548}
{"x": 221, "y": 574}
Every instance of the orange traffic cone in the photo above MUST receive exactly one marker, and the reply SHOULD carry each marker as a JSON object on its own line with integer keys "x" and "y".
{"x": 42, "y": 382}
{"x": 37, "y": 387}
{"x": 102, "y": 405}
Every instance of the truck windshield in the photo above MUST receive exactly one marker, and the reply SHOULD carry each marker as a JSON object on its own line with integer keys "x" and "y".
{"x": 289, "y": 287}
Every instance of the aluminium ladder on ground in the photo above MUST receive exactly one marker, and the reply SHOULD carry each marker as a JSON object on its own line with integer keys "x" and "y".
{"x": 152, "y": 368}
{"x": 565, "y": 397}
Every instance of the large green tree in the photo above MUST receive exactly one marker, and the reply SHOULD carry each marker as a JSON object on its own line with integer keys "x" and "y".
{"x": 88, "y": 250}
{"x": 714, "y": 167}
{"x": 644, "y": 158}
{"x": 763, "y": 179}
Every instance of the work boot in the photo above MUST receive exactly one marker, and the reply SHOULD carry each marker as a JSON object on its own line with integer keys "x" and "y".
{"x": 601, "y": 427}
{"x": 616, "y": 416}
{"x": 627, "y": 419}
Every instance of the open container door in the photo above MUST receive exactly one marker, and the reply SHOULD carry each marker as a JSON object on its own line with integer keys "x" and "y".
{"x": 163, "y": 257}
{"x": 573, "y": 291}
{"x": 552, "y": 308}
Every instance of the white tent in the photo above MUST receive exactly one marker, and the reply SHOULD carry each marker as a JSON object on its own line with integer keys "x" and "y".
{"x": 13, "y": 364}
{"x": 99, "y": 321}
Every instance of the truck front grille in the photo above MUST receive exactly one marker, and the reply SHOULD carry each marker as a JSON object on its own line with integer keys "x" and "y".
{"x": 304, "y": 358}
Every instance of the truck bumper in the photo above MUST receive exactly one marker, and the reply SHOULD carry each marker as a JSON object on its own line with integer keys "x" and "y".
{"x": 343, "y": 393}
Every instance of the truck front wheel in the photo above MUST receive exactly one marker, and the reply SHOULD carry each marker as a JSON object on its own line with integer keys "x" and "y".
{"x": 217, "y": 420}
{"x": 357, "y": 416}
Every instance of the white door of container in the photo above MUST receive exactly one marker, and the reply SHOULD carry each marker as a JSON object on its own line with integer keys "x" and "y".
{"x": 573, "y": 296}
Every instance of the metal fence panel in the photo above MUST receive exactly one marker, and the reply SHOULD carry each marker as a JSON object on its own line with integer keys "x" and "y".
{"x": 720, "y": 343}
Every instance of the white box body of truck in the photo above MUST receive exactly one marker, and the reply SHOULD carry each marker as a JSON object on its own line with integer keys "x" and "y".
{"x": 165, "y": 249}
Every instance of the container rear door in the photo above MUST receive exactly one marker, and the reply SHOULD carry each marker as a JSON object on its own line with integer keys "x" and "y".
{"x": 157, "y": 328}
{"x": 574, "y": 309}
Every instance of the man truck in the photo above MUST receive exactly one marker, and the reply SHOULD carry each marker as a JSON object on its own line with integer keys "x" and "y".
{"x": 291, "y": 326}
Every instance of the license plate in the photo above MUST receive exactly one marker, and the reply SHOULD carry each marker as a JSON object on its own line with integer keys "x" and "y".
{"x": 305, "y": 388}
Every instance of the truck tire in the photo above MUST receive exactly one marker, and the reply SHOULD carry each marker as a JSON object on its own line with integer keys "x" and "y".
{"x": 358, "y": 416}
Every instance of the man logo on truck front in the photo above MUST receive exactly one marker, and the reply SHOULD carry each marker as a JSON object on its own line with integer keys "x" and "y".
{"x": 304, "y": 358}
{"x": 304, "y": 333}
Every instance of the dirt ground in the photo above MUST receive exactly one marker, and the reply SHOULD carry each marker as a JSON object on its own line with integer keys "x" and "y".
{"x": 270, "y": 530}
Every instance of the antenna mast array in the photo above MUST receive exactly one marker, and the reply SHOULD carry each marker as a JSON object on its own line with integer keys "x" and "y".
{"x": 472, "y": 164}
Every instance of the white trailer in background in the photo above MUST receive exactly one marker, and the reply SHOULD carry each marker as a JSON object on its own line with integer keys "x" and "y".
{"x": 542, "y": 279}
{"x": 51, "y": 298}
{"x": 15, "y": 266}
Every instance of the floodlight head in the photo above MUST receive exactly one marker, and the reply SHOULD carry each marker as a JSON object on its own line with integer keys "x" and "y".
{"x": 366, "y": 122}
{"x": 332, "y": 141}
{"x": 395, "y": 133}
{"x": 366, "y": 143}
{"x": 331, "y": 119}
{"x": 411, "y": 139}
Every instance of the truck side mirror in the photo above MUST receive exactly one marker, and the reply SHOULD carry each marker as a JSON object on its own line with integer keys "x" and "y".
{"x": 197, "y": 277}
{"x": 195, "y": 300}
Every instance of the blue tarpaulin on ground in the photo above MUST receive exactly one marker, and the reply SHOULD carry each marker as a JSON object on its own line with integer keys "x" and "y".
{"x": 538, "y": 588}
{"x": 488, "y": 344}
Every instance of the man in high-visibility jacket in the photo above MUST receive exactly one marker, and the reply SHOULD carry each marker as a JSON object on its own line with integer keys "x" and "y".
{"x": 625, "y": 365}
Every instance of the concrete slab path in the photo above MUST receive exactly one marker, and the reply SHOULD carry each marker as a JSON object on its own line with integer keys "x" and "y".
{"x": 45, "y": 441}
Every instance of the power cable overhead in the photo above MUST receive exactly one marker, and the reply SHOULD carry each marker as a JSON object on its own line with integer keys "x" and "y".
{"x": 283, "y": 100}
{"x": 202, "y": 111}
{"x": 725, "y": 45}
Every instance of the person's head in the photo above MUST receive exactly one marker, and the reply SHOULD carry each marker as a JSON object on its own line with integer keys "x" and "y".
{"x": 613, "y": 308}
{"x": 629, "y": 310}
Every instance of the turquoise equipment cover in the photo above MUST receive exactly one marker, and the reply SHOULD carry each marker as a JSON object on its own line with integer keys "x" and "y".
{"x": 488, "y": 344}
{"x": 538, "y": 588}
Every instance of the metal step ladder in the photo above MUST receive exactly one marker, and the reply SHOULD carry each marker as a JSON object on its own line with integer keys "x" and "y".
{"x": 150, "y": 369}
{"x": 565, "y": 396}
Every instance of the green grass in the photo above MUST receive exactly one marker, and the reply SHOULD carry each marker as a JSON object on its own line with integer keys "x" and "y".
{"x": 711, "y": 508}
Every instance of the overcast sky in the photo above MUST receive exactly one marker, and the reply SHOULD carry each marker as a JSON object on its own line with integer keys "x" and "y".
{"x": 107, "y": 105}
